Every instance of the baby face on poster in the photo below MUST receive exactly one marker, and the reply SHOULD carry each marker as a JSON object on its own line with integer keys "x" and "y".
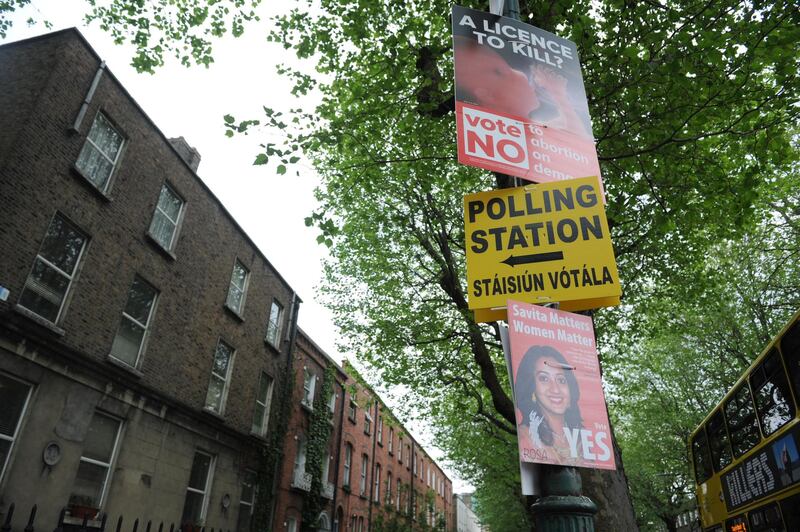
{"x": 561, "y": 411}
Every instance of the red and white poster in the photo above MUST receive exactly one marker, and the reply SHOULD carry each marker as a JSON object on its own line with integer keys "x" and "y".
{"x": 561, "y": 410}
{"x": 520, "y": 103}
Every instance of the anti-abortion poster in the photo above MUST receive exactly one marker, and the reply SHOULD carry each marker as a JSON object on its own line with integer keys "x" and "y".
{"x": 520, "y": 103}
{"x": 561, "y": 410}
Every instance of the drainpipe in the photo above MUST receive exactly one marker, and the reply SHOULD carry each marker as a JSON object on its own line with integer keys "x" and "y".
{"x": 88, "y": 99}
{"x": 337, "y": 526}
{"x": 374, "y": 466}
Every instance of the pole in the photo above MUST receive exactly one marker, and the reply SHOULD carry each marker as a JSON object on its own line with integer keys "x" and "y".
{"x": 561, "y": 508}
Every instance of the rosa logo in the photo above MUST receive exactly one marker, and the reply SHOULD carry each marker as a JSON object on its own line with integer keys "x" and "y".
{"x": 495, "y": 138}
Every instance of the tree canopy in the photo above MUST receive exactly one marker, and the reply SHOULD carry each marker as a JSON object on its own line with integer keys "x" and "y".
{"x": 694, "y": 107}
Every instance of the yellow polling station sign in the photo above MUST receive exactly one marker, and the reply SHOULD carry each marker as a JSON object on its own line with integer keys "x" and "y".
{"x": 540, "y": 244}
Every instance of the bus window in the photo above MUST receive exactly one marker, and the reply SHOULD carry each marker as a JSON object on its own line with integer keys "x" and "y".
{"x": 741, "y": 416}
{"x": 702, "y": 462}
{"x": 766, "y": 519}
{"x": 718, "y": 441}
{"x": 790, "y": 507}
{"x": 773, "y": 401}
{"x": 790, "y": 345}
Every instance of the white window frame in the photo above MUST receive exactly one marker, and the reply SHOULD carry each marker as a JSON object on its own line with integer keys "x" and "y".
{"x": 145, "y": 326}
{"x": 274, "y": 326}
{"x": 362, "y": 485}
{"x": 70, "y": 276}
{"x": 400, "y": 449}
{"x": 291, "y": 524}
{"x": 348, "y": 464}
{"x": 266, "y": 403}
{"x": 206, "y": 493}
{"x": 226, "y": 379}
{"x": 299, "y": 467}
{"x": 367, "y": 422}
{"x": 105, "y": 156}
{"x": 377, "y": 483}
{"x": 13, "y": 438}
{"x": 389, "y": 499}
{"x": 176, "y": 222}
{"x": 109, "y": 466}
{"x": 391, "y": 440}
{"x": 238, "y": 308}
{"x": 352, "y": 410}
{"x": 379, "y": 430}
{"x": 399, "y": 492}
{"x": 309, "y": 387}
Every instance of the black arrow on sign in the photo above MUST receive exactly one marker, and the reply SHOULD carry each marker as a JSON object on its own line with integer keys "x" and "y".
{"x": 536, "y": 257}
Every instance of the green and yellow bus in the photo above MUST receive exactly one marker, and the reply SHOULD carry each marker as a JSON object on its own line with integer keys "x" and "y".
{"x": 746, "y": 453}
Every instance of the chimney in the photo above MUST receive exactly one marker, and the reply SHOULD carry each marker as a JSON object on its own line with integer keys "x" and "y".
{"x": 190, "y": 155}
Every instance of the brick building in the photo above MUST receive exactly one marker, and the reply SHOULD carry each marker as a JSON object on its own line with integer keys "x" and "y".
{"x": 150, "y": 361}
{"x": 142, "y": 333}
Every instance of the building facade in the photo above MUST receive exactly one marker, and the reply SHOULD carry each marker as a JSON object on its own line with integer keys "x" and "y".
{"x": 150, "y": 361}
{"x": 142, "y": 333}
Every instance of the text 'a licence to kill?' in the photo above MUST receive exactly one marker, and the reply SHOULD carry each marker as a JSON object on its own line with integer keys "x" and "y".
{"x": 539, "y": 243}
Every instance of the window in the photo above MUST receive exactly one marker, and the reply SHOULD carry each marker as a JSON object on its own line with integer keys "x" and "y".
{"x": 238, "y": 287}
{"x": 361, "y": 524}
{"x": 299, "y": 470}
{"x": 380, "y": 430}
{"x": 348, "y": 462}
{"x": 14, "y": 396}
{"x": 391, "y": 439}
{"x": 702, "y": 461}
{"x": 741, "y": 416}
{"x": 771, "y": 392}
{"x": 291, "y": 525}
{"x": 197, "y": 491}
{"x": 220, "y": 377}
{"x": 263, "y": 401}
{"x": 53, "y": 270}
{"x": 274, "y": 324}
{"x": 415, "y": 467}
{"x": 351, "y": 413}
{"x": 367, "y": 422}
{"x": 400, "y": 449}
{"x": 129, "y": 341}
{"x": 362, "y": 487}
{"x": 399, "y": 492}
{"x": 309, "y": 382}
{"x": 376, "y": 495}
{"x": 94, "y": 468}
{"x": 246, "y": 501}
{"x": 164, "y": 226}
{"x": 790, "y": 347}
{"x": 100, "y": 153}
{"x": 389, "y": 487}
{"x": 332, "y": 403}
{"x": 718, "y": 441}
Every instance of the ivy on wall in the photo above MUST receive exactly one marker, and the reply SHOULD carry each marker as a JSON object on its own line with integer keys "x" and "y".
{"x": 319, "y": 432}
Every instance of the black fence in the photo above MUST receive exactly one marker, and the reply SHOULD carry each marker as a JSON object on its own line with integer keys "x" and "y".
{"x": 98, "y": 524}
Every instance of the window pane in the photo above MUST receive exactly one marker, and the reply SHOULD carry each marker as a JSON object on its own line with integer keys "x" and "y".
{"x": 741, "y": 416}
{"x": 62, "y": 245}
{"x": 94, "y": 166}
{"x": 12, "y": 398}
{"x": 239, "y": 275}
{"x": 192, "y": 508}
{"x": 263, "y": 387}
{"x": 99, "y": 442}
{"x": 88, "y": 487}
{"x": 200, "y": 465}
{"x": 141, "y": 297}
{"x": 222, "y": 357}
{"x": 214, "y": 396}
{"x": 258, "y": 419}
{"x": 44, "y": 291}
{"x": 161, "y": 229}
{"x": 771, "y": 389}
{"x": 105, "y": 137}
{"x": 248, "y": 490}
{"x": 274, "y": 324}
{"x": 243, "y": 522}
{"x": 790, "y": 346}
{"x": 127, "y": 342}
{"x": 235, "y": 298}
{"x": 170, "y": 203}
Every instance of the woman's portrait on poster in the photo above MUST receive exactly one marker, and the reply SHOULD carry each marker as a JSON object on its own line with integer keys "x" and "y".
{"x": 547, "y": 396}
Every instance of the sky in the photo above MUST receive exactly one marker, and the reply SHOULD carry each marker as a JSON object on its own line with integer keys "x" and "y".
{"x": 191, "y": 102}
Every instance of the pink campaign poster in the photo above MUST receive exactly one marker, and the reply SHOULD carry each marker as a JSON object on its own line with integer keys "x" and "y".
{"x": 561, "y": 410}
{"x": 520, "y": 102}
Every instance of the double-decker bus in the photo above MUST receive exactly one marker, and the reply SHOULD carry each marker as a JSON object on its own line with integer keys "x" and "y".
{"x": 746, "y": 453}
